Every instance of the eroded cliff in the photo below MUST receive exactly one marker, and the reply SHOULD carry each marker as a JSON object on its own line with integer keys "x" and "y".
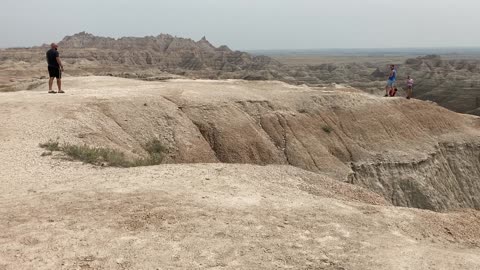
{"x": 413, "y": 153}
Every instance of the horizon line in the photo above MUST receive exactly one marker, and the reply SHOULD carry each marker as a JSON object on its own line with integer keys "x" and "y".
{"x": 369, "y": 48}
{"x": 323, "y": 49}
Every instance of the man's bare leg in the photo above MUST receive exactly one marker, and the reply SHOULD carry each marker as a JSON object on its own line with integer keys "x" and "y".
{"x": 50, "y": 84}
{"x": 59, "y": 85}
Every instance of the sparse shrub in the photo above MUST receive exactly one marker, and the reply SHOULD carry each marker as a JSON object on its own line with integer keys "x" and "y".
{"x": 156, "y": 151}
{"x": 46, "y": 153}
{"x": 96, "y": 155}
{"x": 51, "y": 145}
{"x": 155, "y": 147}
{"x": 327, "y": 129}
{"x": 109, "y": 157}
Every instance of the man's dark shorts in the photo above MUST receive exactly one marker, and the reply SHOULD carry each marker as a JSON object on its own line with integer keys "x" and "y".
{"x": 54, "y": 72}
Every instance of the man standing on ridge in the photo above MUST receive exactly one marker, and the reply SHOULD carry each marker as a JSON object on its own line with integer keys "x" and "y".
{"x": 392, "y": 77}
{"x": 55, "y": 68}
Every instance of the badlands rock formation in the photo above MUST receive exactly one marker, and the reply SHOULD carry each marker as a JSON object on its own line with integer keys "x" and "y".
{"x": 169, "y": 53}
{"x": 258, "y": 174}
{"x": 413, "y": 154}
{"x": 295, "y": 212}
{"x": 453, "y": 84}
{"x": 150, "y": 58}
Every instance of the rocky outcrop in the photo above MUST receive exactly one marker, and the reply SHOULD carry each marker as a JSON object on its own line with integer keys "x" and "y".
{"x": 446, "y": 179}
{"x": 445, "y": 176}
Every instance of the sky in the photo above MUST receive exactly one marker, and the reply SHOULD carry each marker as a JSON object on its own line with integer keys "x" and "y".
{"x": 250, "y": 24}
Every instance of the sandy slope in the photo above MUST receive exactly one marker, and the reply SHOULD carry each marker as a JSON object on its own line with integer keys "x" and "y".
{"x": 56, "y": 214}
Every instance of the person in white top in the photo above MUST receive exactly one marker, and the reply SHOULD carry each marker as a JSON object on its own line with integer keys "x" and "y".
{"x": 409, "y": 87}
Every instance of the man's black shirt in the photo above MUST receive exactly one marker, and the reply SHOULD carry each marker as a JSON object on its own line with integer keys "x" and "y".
{"x": 52, "y": 55}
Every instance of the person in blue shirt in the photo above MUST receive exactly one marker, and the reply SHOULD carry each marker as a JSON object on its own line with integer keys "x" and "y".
{"x": 392, "y": 77}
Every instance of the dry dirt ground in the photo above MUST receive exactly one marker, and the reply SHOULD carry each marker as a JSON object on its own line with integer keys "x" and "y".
{"x": 59, "y": 214}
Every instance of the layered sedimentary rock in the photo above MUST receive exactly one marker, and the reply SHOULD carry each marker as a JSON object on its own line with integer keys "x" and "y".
{"x": 172, "y": 54}
{"x": 412, "y": 153}
{"x": 453, "y": 84}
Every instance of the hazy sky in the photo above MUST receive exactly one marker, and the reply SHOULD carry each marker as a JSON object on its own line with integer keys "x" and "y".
{"x": 250, "y": 24}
